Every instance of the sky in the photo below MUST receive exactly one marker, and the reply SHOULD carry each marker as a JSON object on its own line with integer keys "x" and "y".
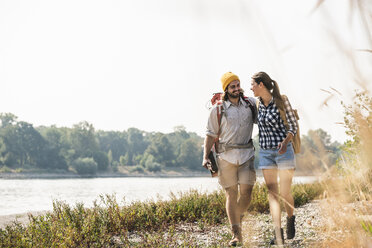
{"x": 154, "y": 64}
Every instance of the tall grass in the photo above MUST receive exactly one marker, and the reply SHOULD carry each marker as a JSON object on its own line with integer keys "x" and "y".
{"x": 348, "y": 207}
{"x": 154, "y": 221}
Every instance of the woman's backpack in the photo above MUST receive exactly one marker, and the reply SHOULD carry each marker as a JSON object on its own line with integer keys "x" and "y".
{"x": 296, "y": 140}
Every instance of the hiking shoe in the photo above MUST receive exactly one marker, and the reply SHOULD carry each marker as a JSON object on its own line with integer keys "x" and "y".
{"x": 291, "y": 229}
{"x": 237, "y": 235}
{"x": 273, "y": 240}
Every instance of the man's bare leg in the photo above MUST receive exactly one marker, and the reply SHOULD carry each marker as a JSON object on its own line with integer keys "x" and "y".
{"x": 231, "y": 204}
{"x": 245, "y": 191}
{"x": 233, "y": 213}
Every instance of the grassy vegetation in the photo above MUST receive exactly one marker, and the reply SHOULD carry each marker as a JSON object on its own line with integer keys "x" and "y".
{"x": 107, "y": 224}
{"x": 349, "y": 194}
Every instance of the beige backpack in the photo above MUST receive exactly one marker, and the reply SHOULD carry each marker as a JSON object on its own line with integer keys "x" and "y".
{"x": 296, "y": 140}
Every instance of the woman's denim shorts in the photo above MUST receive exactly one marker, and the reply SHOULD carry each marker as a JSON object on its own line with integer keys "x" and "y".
{"x": 271, "y": 159}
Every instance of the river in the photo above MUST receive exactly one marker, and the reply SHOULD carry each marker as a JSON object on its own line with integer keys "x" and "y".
{"x": 24, "y": 195}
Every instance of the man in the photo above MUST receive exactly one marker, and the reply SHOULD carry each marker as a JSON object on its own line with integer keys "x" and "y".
{"x": 235, "y": 152}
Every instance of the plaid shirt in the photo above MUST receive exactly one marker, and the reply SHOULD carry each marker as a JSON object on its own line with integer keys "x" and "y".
{"x": 271, "y": 127}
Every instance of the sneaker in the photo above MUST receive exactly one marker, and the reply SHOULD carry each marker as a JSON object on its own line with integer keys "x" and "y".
{"x": 291, "y": 229}
{"x": 273, "y": 240}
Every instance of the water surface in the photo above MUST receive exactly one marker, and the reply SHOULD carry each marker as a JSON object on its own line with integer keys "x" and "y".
{"x": 24, "y": 195}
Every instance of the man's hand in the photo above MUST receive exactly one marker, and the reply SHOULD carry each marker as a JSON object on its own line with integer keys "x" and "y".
{"x": 206, "y": 163}
{"x": 208, "y": 143}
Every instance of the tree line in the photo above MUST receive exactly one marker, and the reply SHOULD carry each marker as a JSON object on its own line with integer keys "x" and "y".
{"x": 87, "y": 151}
{"x": 84, "y": 150}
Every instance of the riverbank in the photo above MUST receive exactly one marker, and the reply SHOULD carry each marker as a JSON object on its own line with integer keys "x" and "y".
{"x": 34, "y": 175}
{"x": 70, "y": 175}
{"x": 257, "y": 230}
{"x": 23, "y": 219}
{"x": 152, "y": 223}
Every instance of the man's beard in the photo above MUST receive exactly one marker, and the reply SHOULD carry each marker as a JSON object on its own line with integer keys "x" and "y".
{"x": 233, "y": 95}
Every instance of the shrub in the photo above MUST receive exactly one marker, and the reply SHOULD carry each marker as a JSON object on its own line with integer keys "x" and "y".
{"x": 137, "y": 168}
{"x": 302, "y": 194}
{"x": 85, "y": 166}
{"x": 115, "y": 166}
{"x": 124, "y": 160}
{"x": 19, "y": 170}
{"x": 154, "y": 167}
{"x": 5, "y": 169}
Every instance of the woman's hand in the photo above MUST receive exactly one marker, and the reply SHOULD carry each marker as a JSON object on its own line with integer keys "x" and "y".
{"x": 282, "y": 147}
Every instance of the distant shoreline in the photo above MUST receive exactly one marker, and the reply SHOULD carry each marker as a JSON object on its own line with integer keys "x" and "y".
{"x": 170, "y": 174}
{"x": 33, "y": 175}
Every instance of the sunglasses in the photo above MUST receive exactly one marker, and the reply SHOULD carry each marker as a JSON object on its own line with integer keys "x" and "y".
{"x": 234, "y": 86}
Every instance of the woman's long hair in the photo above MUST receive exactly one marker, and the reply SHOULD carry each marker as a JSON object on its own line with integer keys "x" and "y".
{"x": 271, "y": 85}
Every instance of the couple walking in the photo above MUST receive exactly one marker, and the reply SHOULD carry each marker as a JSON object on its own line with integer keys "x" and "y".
{"x": 235, "y": 158}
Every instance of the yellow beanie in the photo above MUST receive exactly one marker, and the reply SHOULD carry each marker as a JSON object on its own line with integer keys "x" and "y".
{"x": 227, "y": 78}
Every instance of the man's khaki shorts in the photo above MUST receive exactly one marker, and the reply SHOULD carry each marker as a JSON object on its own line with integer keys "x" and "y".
{"x": 231, "y": 174}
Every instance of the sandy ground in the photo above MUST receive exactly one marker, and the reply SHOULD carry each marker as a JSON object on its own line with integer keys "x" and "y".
{"x": 6, "y": 220}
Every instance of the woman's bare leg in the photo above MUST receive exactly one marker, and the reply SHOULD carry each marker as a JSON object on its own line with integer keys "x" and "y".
{"x": 286, "y": 177}
{"x": 271, "y": 179}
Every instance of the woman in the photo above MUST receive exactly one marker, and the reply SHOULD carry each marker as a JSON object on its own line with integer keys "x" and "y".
{"x": 276, "y": 156}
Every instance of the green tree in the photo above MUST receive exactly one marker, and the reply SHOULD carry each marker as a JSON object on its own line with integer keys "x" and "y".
{"x": 177, "y": 137}
{"x": 33, "y": 145}
{"x": 116, "y": 142}
{"x": 11, "y": 152}
{"x": 83, "y": 140}
{"x": 109, "y": 156}
{"x": 137, "y": 144}
{"x": 318, "y": 152}
{"x": 22, "y": 144}
{"x": 190, "y": 155}
{"x": 101, "y": 159}
{"x": 124, "y": 160}
{"x": 161, "y": 149}
{"x": 8, "y": 119}
{"x": 56, "y": 148}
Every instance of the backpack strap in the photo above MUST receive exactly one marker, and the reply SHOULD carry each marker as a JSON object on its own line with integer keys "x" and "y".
{"x": 220, "y": 111}
{"x": 252, "y": 107}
